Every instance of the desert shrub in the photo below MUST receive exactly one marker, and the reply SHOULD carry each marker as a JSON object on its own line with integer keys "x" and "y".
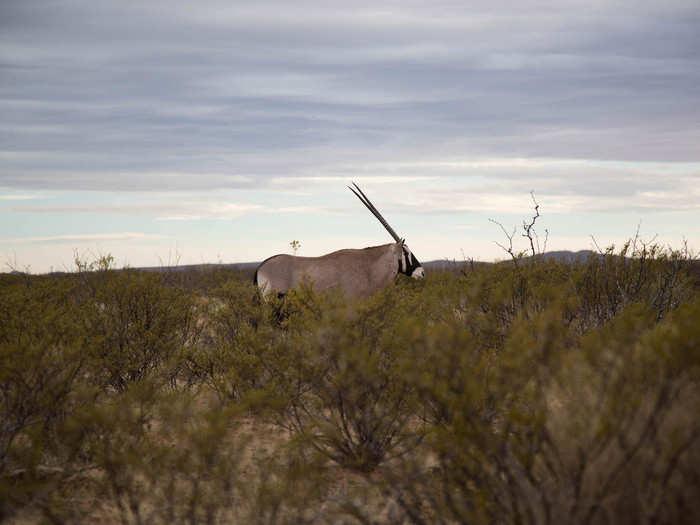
{"x": 235, "y": 342}
{"x": 204, "y": 278}
{"x": 638, "y": 272}
{"x": 135, "y": 324}
{"x": 590, "y": 293}
{"x": 486, "y": 410}
{"x": 158, "y": 456}
{"x": 234, "y": 306}
{"x": 40, "y": 363}
{"x": 336, "y": 382}
{"x": 552, "y": 429}
{"x": 623, "y": 428}
{"x": 530, "y": 391}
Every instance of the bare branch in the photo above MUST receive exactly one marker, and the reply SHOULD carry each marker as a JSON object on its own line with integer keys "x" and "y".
{"x": 509, "y": 236}
{"x": 529, "y": 232}
{"x": 595, "y": 243}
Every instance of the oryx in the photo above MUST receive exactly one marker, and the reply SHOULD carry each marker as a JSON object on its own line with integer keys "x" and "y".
{"x": 359, "y": 273}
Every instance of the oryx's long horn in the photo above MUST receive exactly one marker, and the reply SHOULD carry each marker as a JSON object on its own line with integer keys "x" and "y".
{"x": 368, "y": 203}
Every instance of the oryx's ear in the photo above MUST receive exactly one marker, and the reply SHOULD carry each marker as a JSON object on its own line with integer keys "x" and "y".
{"x": 402, "y": 241}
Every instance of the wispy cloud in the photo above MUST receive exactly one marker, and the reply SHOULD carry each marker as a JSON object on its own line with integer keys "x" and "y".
{"x": 170, "y": 210}
{"x": 144, "y": 209}
{"x": 84, "y": 238}
{"x": 341, "y": 181}
{"x": 232, "y": 211}
{"x": 19, "y": 197}
{"x": 455, "y": 186}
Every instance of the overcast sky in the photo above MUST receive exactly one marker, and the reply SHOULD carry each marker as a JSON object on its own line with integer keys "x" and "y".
{"x": 221, "y": 131}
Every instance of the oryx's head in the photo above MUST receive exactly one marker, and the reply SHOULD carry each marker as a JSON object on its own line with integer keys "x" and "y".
{"x": 408, "y": 263}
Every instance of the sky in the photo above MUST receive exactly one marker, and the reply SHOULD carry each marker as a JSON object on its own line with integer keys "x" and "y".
{"x": 168, "y": 132}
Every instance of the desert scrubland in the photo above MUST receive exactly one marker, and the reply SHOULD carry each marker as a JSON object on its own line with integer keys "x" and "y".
{"x": 528, "y": 391}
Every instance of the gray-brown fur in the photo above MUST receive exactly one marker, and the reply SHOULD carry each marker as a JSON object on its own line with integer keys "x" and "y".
{"x": 360, "y": 273}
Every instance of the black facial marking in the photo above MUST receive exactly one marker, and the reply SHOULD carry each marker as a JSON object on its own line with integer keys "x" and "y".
{"x": 411, "y": 262}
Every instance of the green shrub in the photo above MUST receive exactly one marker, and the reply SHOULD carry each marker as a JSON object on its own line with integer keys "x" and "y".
{"x": 554, "y": 430}
{"x": 170, "y": 457}
{"x": 235, "y": 342}
{"x": 530, "y": 391}
{"x": 336, "y": 378}
{"x": 135, "y": 325}
{"x": 639, "y": 272}
{"x": 41, "y": 362}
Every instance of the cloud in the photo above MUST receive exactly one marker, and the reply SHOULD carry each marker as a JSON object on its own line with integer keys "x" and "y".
{"x": 18, "y": 197}
{"x": 84, "y": 238}
{"x": 493, "y": 185}
{"x": 104, "y": 209}
{"x": 502, "y": 184}
{"x": 173, "y": 209}
{"x": 219, "y": 96}
{"x": 136, "y": 180}
{"x": 344, "y": 180}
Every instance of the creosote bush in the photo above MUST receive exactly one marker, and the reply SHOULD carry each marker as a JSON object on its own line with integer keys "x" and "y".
{"x": 345, "y": 397}
{"x": 529, "y": 391}
{"x": 136, "y": 322}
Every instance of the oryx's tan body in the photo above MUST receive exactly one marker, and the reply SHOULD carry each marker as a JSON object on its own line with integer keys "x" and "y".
{"x": 359, "y": 273}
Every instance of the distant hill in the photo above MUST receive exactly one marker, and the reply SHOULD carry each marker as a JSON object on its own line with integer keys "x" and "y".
{"x": 580, "y": 256}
